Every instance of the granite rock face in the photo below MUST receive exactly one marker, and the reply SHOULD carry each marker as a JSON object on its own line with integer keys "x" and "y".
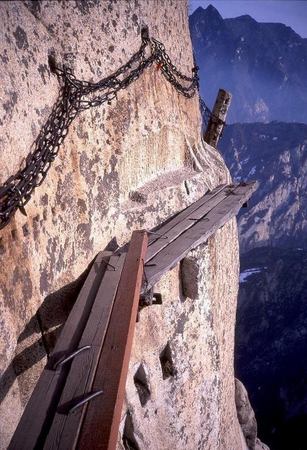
{"x": 271, "y": 334}
{"x": 274, "y": 154}
{"x": 122, "y": 166}
{"x": 186, "y": 358}
{"x": 246, "y": 415}
{"x": 247, "y": 419}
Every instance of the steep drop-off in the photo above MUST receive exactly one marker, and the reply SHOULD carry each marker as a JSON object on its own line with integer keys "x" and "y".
{"x": 264, "y": 66}
{"x": 271, "y": 336}
{"x": 275, "y": 154}
{"x": 127, "y": 165}
{"x": 271, "y": 317}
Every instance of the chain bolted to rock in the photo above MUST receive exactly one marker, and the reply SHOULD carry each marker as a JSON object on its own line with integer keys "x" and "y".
{"x": 76, "y": 96}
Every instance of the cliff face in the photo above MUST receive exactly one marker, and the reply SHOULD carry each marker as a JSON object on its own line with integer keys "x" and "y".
{"x": 271, "y": 318}
{"x": 189, "y": 408}
{"x": 275, "y": 155}
{"x": 122, "y": 166}
{"x": 264, "y": 66}
{"x": 269, "y": 351}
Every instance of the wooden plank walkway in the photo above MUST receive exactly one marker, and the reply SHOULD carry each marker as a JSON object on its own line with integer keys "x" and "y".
{"x": 96, "y": 341}
{"x": 65, "y": 428}
{"x": 182, "y": 221}
{"x": 77, "y": 404}
{"x": 37, "y": 418}
{"x": 196, "y": 227}
{"x": 101, "y": 424}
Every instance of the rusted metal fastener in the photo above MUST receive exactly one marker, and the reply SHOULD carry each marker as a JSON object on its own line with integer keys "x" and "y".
{"x": 61, "y": 362}
{"x": 86, "y": 399}
{"x": 108, "y": 264}
{"x": 157, "y": 234}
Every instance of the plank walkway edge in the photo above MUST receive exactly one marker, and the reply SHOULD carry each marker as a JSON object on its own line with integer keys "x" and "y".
{"x": 101, "y": 423}
{"x": 181, "y": 222}
{"x": 64, "y": 431}
{"x": 35, "y": 421}
{"x": 104, "y": 317}
{"x": 181, "y": 215}
{"x": 169, "y": 256}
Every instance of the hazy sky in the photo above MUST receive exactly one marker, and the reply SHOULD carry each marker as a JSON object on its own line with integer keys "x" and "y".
{"x": 290, "y": 12}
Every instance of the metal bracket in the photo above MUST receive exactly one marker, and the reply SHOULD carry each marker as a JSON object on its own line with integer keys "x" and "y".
{"x": 61, "y": 362}
{"x": 150, "y": 298}
{"x": 162, "y": 236}
{"x": 72, "y": 405}
{"x": 108, "y": 264}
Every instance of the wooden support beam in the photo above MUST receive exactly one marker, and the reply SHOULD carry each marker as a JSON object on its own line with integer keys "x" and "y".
{"x": 66, "y": 425}
{"x": 101, "y": 423}
{"x": 77, "y": 404}
{"x": 37, "y": 417}
{"x": 217, "y": 120}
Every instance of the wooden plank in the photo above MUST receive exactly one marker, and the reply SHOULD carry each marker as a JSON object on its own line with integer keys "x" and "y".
{"x": 185, "y": 222}
{"x": 65, "y": 428}
{"x": 100, "y": 427}
{"x": 199, "y": 233}
{"x": 166, "y": 227}
{"x": 37, "y": 417}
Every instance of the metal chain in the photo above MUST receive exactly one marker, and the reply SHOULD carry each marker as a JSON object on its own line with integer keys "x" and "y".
{"x": 76, "y": 96}
{"x": 206, "y": 114}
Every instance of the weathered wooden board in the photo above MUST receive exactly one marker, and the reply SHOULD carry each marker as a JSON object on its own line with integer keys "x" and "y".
{"x": 169, "y": 256}
{"x": 103, "y": 320}
{"x": 183, "y": 221}
{"x": 178, "y": 218}
{"x": 65, "y": 428}
{"x": 217, "y": 118}
{"x": 37, "y": 417}
{"x": 100, "y": 426}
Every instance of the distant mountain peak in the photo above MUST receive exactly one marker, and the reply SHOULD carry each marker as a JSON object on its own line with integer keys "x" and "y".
{"x": 212, "y": 10}
{"x": 263, "y": 65}
{"x": 210, "y": 13}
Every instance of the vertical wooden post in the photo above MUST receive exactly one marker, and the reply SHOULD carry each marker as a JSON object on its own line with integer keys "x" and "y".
{"x": 218, "y": 118}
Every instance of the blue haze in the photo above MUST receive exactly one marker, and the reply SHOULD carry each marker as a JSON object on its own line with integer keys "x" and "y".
{"x": 292, "y": 13}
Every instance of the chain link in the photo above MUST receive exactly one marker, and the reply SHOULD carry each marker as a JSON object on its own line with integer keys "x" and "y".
{"x": 76, "y": 96}
{"x": 206, "y": 114}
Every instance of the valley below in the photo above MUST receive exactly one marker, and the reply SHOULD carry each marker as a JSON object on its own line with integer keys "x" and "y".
{"x": 271, "y": 327}
{"x": 271, "y": 333}
{"x": 264, "y": 67}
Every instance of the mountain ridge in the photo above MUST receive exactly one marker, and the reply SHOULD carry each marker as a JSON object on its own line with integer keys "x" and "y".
{"x": 275, "y": 154}
{"x": 264, "y": 66}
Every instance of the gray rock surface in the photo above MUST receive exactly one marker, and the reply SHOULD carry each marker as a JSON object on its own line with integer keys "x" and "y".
{"x": 274, "y": 154}
{"x": 246, "y": 415}
{"x": 247, "y": 419}
{"x": 123, "y": 166}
